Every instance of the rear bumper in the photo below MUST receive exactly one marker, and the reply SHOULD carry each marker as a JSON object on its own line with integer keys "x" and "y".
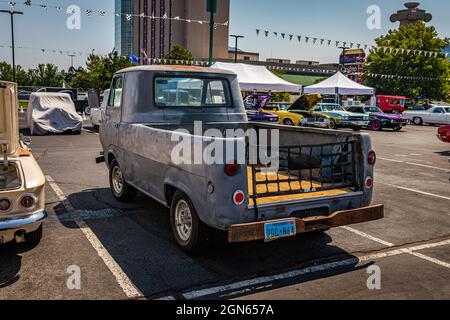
{"x": 255, "y": 231}
{"x": 28, "y": 223}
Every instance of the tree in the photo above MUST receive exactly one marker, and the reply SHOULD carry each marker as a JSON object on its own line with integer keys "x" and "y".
{"x": 6, "y": 72}
{"x": 411, "y": 37}
{"x": 179, "y": 53}
{"x": 47, "y": 75}
{"x": 99, "y": 71}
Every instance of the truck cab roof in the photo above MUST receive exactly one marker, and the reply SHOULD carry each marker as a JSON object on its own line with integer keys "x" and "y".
{"x": 176, "y": 68}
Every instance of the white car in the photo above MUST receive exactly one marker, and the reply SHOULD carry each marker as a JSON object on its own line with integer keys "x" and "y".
{"x": 435, "y": 115}
{"x": 96, "y": 113}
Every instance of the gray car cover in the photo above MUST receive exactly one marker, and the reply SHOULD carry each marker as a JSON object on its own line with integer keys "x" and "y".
{"x": 52, "y": 113}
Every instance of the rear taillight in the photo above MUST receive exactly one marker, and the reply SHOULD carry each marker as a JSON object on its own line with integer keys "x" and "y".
{"x": 5, "y": 204}
{"x": 231, "y": 169}
{"x": 369, "y": 182}
{"x": 372, "y": 158}
{"x": 238, "y": 197}
{"x": 27, "y": 202}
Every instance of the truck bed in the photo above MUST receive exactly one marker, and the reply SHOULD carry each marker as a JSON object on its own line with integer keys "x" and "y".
{"x": 296, "y": 188}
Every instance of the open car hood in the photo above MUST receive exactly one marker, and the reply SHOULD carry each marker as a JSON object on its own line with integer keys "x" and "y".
{"x": 9, "y": 123}
{"x": 306, "y": 102}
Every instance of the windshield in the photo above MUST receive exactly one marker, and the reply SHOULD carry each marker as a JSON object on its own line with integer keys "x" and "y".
{"x": 191, "y": 92}
{"x": 332, "y": 107}
{"x": 373, "y": 109}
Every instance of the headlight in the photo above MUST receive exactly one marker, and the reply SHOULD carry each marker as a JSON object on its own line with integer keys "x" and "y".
{"x": 5, "y": 204}
{"x": 27, "y": 201}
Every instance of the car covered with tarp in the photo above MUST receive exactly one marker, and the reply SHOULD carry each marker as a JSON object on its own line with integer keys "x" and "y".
{"x": 52, "y": 113}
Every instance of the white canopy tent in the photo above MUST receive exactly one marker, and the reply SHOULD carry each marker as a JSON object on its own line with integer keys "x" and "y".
{"x": 257, "y": 78}
{"x": 339, "y": 84}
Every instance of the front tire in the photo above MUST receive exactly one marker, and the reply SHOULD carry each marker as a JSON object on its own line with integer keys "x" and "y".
{"x": 333, "y": 124}
{"x": 418, "y": 121}
{"x": 121, "y": 190}
{"x": 376, "y": 125}
{"x": 288, "y": 122}
{"x": 188, "y": 230}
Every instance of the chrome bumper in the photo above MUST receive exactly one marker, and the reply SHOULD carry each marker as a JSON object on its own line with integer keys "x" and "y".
{"x": 27, "y": 223}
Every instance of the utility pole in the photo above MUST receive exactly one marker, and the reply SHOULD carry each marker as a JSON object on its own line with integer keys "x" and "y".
{"x": 211, "y": 7}
{"x": 342, "y": 65}
{"x": 236, "y": 37}
{"x": 12, "y": 13}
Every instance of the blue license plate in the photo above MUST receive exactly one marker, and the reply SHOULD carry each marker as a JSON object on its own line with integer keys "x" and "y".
{"x": 280, "y": 229}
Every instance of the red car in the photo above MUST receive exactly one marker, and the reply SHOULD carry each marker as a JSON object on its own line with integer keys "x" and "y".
{"x": 444, "y": 134}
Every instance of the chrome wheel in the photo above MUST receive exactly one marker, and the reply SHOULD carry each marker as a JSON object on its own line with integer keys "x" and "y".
{"x": 183, "y": 220}
{"x": 117, "y": 180}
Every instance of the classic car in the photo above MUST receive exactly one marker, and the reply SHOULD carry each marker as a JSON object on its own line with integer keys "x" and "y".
{"x": 22, "y": 197}
{"x": 380, "y": 120}
{"x": 147, "y": 135}
{"x": 52, "y": 113}
{"x": 254, "y": 104}
{"x": 96, "y": 113}
{"x": 444, "y": 134}
{"x": 284, "y": 115}
{"x": 435, "y": 115}
{"x": 304, "y": 105}
{"x": 340, "y": 118}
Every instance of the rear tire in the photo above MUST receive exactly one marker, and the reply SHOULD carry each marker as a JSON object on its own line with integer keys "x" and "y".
{"x": 121, "y": 190}
{"x": 35, "y": 236}
{"x": 189, "y": 231}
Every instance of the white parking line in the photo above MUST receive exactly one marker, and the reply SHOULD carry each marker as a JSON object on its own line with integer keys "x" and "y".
{"x": 195, "y": 294}
{"x": 407, "y": 250}
{"x": 415, "y": 191}
{"x": 122, "y": 279}
{"x": 415, "y": 164}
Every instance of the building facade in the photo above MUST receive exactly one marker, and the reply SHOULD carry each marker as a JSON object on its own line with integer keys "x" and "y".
{"x": 156, "y": 37}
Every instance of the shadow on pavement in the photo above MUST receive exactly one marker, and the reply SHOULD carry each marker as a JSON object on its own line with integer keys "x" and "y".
{"x": 11, "y": 262}
{"x": 139, "y": 238}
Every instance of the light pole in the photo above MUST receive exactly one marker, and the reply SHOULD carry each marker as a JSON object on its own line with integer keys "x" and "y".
{"x": 211, "y": 7}
{"x": 12, "y": 13}
{"x": 71, "y": 60}
{"x": 236, "y": 37}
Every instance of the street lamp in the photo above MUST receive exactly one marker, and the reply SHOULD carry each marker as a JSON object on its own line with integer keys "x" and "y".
{"x": 211, "y": 7}
{"x": 236, "y": 37}
{"x": 12, "y": 13}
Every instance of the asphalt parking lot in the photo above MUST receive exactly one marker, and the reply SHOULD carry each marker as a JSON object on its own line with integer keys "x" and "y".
{"x": 127, "y": 251}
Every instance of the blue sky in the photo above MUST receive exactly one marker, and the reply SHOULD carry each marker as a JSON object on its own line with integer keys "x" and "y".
{"x": 339, "y": 20}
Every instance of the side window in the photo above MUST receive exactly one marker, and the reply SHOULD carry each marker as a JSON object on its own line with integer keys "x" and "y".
{"x": 115, "y": 96}
{"x": 438, "y": 110}
{"x": 215, "y": 93}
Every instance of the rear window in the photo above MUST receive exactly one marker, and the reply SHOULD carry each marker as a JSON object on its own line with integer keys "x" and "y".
{"x": 191, "y": 92}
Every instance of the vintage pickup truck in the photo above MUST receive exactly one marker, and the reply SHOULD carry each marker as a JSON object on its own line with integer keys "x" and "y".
{"x": 22, "y": 194}
{"x": 316, "y": 179}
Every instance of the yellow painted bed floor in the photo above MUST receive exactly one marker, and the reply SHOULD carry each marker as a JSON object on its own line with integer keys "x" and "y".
{"x": 285, "y": 186}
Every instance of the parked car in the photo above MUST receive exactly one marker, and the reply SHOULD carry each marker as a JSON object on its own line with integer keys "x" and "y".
{"x": 330, "y": 173}
{"x": 390, "y": 104}
{"x": 52, "y": 113}
{"x": 22, "y": 193}
{"x": 380, "y": 120}
{"x": 444, "y": 134}
{"x": 284, "y": 116}
{"x": 340, "y": 118}
{"x": 304, "y": 105}
{"x": 254, "y": 104}
{"x": 435, "y": 115}
{"x": 24, "y": 95}
{"x": 97, "y": 113}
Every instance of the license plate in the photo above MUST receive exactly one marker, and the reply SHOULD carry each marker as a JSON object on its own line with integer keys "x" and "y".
{"x": 280, "y": 229}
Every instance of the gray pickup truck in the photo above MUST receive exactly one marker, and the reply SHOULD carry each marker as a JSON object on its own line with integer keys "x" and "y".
{"x": 316, "y": 179}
